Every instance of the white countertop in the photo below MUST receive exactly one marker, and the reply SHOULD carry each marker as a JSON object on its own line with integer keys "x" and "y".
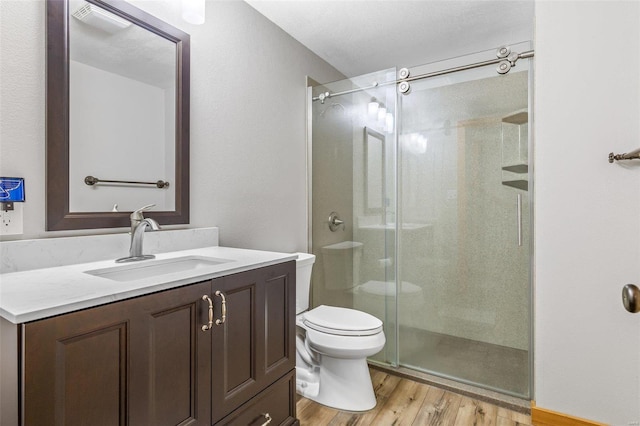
{"x": 40, "y": 293}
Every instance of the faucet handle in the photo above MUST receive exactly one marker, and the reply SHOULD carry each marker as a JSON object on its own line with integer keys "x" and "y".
{"x": 137, "y": 214}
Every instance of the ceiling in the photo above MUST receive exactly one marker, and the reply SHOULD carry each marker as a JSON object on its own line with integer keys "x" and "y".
{"x": 362, "y": 36}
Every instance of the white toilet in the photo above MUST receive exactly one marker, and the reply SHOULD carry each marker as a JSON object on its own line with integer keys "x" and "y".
{"x": 332, "y": 346}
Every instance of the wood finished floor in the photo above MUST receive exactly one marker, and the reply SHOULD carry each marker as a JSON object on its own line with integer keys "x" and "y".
{"x": 405, "y": 402}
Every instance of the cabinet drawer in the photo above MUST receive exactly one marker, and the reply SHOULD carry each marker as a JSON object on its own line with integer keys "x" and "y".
{"x": 278, "y": 401}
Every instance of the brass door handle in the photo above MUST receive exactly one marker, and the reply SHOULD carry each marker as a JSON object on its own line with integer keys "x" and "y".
{"x": 224, "y": 308}
{"x": 268, "y": 419}
{"x": 210, "y": 324}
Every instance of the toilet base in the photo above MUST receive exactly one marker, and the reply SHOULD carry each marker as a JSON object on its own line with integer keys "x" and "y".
{"x": 344, "y": 384}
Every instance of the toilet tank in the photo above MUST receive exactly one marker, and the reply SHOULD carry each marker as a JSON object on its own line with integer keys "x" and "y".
{"x": 304, "y": 264}
{"x": 341, "y": 265}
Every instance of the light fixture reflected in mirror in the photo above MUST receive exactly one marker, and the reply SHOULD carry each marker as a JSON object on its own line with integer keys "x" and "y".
{"x": 193, "y": 11}
{"x": 388, "y": 123}
{"x": 373, "y": 106}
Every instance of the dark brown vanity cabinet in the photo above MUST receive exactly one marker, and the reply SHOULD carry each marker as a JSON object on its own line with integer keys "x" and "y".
{"x": 147, "y": 360}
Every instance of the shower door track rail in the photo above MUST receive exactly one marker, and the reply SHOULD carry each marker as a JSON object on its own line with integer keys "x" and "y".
{"x": 505, "y": 65}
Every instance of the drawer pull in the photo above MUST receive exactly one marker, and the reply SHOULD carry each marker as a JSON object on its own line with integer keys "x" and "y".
{"x": 268, "y": 419}
{"x": 224, "y": 308}
{"x": 208, "y": 326}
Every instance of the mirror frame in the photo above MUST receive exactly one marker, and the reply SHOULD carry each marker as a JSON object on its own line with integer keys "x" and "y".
{"x": 58, "y": 216}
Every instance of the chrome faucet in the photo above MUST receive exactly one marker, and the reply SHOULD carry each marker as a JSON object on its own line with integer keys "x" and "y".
{"x": 139, "y": 225}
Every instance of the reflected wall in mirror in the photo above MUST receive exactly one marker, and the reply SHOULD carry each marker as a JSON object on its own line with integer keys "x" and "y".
{"x": 374, "y": 170}
{"x": 117, "y": 110}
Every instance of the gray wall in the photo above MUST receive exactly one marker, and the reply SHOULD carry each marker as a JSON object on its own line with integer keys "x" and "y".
{"x": 248, "y": 129}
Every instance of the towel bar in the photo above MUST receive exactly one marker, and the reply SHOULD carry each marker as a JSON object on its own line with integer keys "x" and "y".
{"x": 90, "y": 180}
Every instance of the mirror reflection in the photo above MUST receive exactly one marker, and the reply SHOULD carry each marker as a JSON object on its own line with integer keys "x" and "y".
{"x": 374, "y": 160}
{"x": 122, "y": 109}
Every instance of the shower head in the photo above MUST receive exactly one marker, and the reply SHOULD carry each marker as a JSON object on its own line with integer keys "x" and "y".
{"x": 333, "y": 105}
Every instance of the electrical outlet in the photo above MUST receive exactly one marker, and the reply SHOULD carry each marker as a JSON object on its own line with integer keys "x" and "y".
{"x": 11, "y": 221}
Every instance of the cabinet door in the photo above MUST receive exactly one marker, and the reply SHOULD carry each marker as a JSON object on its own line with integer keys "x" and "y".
{"x": 139, "y": 361}
{"x": 255, "y": 345}
{"x": 277, "y": 345}
{"x": 172, "y": 359}
{"x": 76, "y": 367}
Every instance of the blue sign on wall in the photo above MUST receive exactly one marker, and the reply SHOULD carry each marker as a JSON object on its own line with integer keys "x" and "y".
{"x": 11, "y": 189}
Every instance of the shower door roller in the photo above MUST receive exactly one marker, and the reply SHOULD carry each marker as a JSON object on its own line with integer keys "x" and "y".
{"x": 503, "y": 51}
{"x": 631, "y": 298}
{"x": 404, "y": 87}
{"x": 504, "y": 67}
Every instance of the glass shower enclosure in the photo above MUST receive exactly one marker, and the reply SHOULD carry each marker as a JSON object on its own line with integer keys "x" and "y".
{"x": 434, "y": 194}
{"x": 353, "y": 179}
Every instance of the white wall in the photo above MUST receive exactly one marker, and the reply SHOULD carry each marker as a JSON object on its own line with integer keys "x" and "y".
{"x": 587, "y": 104}
{"x": 247, "y": 120}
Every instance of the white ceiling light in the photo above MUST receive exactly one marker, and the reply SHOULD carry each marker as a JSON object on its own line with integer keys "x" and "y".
{"x": 193, "y": 11}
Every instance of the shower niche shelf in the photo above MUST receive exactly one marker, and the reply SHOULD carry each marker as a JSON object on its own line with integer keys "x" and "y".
{"x": 517, "y": 168}
{"x": 518, "y": 184}
{"x": 515, "y": 150}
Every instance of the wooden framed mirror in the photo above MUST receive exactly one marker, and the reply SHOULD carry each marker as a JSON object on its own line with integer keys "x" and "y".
{"x": 104, "y": 58}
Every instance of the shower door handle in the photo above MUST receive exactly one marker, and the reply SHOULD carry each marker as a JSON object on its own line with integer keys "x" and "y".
{"x": 519, "y": 218}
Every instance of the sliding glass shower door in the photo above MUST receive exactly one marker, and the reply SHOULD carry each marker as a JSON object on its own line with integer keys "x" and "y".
{"x": 464, "y": 242}
{"x": 353, "y": 198}
{"x": 420, "y": 215}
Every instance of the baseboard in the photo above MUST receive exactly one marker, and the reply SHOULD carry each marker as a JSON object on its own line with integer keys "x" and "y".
{"x": 544, "y": 417}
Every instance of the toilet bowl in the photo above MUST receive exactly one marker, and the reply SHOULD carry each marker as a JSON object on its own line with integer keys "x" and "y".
{"x": 332, "y": 346}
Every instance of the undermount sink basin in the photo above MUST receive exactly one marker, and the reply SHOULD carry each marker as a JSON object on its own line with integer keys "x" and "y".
{"x": 152, "y": 268}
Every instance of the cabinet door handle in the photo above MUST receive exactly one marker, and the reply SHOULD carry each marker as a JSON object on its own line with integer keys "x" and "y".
{"x": 208, "y": 326}
{"x": 224, "y": 308}
{"x": 267, "y": 418}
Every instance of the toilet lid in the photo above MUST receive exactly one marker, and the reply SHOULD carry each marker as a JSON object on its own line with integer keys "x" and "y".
{"x": 342, "y": 321}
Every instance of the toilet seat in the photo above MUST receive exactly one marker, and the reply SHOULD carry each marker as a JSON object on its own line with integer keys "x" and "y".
{"x": 342, "y": 321}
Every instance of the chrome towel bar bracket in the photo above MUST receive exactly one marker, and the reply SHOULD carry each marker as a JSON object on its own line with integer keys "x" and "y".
{"x": 633, "y": 155}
